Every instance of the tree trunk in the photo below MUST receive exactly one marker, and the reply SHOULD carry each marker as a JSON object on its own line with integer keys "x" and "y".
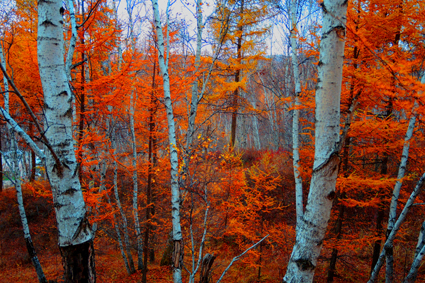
{"x": 79, "y": 262}
{"x": 419, "y": 254}
{"x": 75, "y": 235}
{"x": 82, "y": 101}
{"x": 207, "y": 263}
{"x": 1, "y": 160}
{"x": 296, "y": 117}
{"x": 151, "y": 160}
{"x": 235, "y": 103}
{"x": 312, "y": 227}
{"x": 178, "y": 254}
{"x": 14, "y": 176}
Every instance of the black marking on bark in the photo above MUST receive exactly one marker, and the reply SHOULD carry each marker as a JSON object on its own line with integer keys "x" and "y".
{"x": 325, "y": 11}
{"x": 331, "y": 195}
{"x": 340, "y": 31}
{"x": 48, "y": 23}
{"x": 344, "y": 3}
{"x": 57, "y": 205}
{"x": 70, "y": 191}
{"x": 331, "y": 158}
{"x": 46, "y": 106}
{"x": 61, "y": 11}
{"x": 305, "y": 264}
{"x": 68, "y": 113}
{"x": 320, "y": 63}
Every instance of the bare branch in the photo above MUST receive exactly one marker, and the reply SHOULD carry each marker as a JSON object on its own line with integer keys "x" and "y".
{"x": 236, "y": 258}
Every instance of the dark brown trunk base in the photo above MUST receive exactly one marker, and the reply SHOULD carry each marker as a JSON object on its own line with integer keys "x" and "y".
{"x": 207, "y": 263}
{"x": 78, "y": 263}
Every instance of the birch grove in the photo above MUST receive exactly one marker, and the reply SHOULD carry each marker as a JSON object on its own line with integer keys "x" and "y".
{"x": 185, "y": 134}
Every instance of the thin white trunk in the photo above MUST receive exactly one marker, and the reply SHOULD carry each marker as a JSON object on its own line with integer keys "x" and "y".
{"x": 174, "y": 161}
{"x": 120, "y": 244}
{"x": 118, "y": 202}
{"x": 391, "y": 236}
{"x": 296, "y": 116}
{"x": 133, "y": 99}
{"x": 312, "y": 227}
{"x": 15, "y": 177}
{"x": 271, "y": 110}
{"x": 396, "y": 191}
{"x": 135, "y": 188}
{"x": 419, "y": 254}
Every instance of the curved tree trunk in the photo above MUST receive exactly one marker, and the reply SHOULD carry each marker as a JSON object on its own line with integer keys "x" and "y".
{"x": 312, "y": 227}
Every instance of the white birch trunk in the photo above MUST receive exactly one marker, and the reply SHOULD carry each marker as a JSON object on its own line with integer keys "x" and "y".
{"x": 73, "y": 226}
{"x": 17, "y": 182}
{"x": 312, "y": 227}
{"x": 120, "y": 208}
{"x": 396, "y": 191}
{"x": 175, "y": 192}
{"x": 296, "y": 117}
{"x": 391, "y": 236}
{"x": 133, "y": 99}
{"x": 419, "y": 254}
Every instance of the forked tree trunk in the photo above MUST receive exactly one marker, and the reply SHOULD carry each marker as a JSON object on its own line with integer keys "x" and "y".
{"x": 312, "y": 227}
{"x": 75, "y": 235}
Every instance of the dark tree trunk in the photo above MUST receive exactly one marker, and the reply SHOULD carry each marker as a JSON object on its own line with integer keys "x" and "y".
{"x": 341, "y": 210}
{"x": 207, "y": 263}
{"x": 151, "y": 161}
{"x": 35, "y": 261}
{"x": 237, "y": 79}
{"x": 1, "y": 163}
{"x": 33, "y": 165}
{"x": 78, "y": 263}
{"x": 82, "y": 103}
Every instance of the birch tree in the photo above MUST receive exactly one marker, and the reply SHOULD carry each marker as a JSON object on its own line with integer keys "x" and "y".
{"x": 17, "y": 181}
{"x": 75, "y": 235}
{"x": 296, "y": 115}
{"x": 312, "y": 226}
{"x": 177, "y": 261}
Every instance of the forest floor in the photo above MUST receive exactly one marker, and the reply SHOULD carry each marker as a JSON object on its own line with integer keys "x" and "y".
{"x": 16, "y": 266}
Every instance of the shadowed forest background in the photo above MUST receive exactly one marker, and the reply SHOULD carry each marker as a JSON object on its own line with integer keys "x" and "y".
{"x": 234, "y": 96}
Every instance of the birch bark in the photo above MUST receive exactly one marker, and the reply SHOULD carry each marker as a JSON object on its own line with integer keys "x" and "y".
{"x": 419, "y": 254}
{"x": 312, "y": 227}
{"x": 17, "y": 182}
{"x": 75, "y": 235}
{"x": 296, "y": 116}
{"x": 174, "y": 161}
{"x": 133, "y": 99}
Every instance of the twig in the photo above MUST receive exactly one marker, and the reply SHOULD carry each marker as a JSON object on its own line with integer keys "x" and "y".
{"x": 236, "y": 258}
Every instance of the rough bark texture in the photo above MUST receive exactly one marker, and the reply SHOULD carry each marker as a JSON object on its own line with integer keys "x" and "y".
{"x": 312, "y": 227}
{"x": 78, "y": 263}
{"x": 73, "y": 228}
{"x": 207, "y": 263}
